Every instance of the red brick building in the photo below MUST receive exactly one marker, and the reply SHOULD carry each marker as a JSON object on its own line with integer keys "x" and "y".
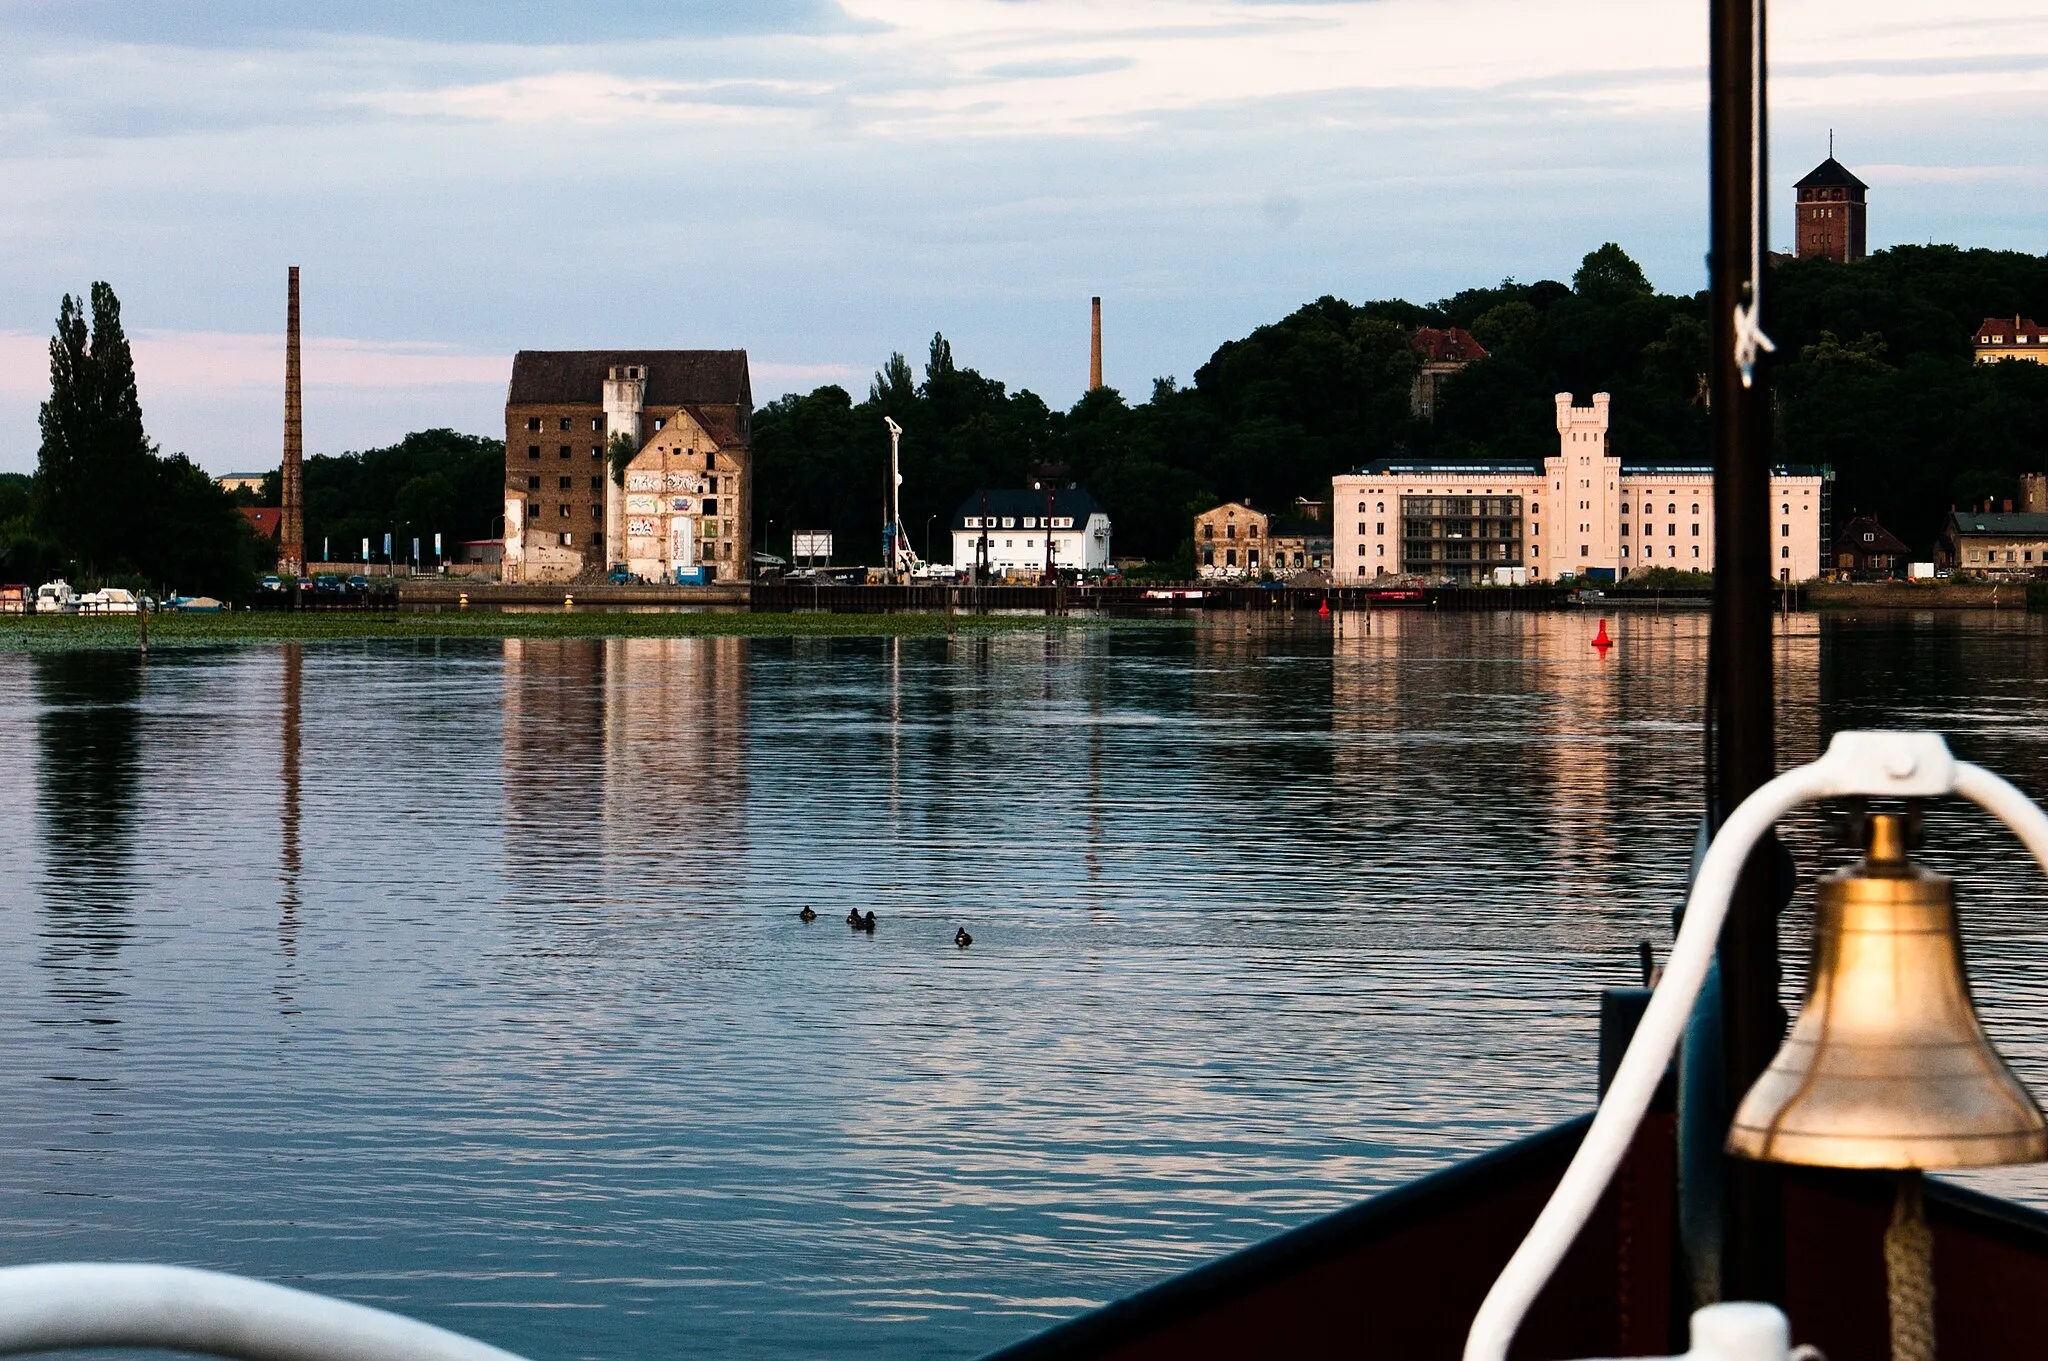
{"x": 1444, "y": 351}
{"x": 688, "y": 414}
{"x": 1828, "y": 217}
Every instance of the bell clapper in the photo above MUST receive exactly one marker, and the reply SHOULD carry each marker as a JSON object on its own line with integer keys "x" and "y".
{"x": 1909, "y": 1273}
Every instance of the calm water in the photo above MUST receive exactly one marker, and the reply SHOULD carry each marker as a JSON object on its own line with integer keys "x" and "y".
{"x": 466, "y": 979}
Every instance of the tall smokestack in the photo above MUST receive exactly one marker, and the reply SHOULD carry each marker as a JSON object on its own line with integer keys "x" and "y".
{"x": 291, "y": 553}
{"x": 1095, "y": 347}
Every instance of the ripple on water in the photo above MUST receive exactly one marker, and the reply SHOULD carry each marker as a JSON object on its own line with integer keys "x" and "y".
{"x": 466, "y": 978}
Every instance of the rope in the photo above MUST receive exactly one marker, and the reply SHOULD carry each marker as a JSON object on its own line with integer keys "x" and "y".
{"x": 1909, "y": 1274}
{"x": 1749, "y": 331}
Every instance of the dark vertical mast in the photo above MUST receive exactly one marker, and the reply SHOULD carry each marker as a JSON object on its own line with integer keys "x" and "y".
{"x": 291, "y": 556}
{"x": 1740, "y": 684}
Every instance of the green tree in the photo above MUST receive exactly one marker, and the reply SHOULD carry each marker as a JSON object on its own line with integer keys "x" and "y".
{"x": 104, "y": 500}
{"x": 95, "y": 460}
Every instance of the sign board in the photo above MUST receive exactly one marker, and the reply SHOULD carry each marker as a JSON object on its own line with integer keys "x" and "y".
{"x": 811, "y": 544}
{"x": 679, "y": 542}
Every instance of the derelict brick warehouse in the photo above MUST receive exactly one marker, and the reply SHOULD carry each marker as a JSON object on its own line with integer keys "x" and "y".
{"x": 686, "y": 507}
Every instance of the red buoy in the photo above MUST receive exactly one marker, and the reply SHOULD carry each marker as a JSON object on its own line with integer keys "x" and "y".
{"x": 1325, "y": 610}
{"x": 1601, "y": 640}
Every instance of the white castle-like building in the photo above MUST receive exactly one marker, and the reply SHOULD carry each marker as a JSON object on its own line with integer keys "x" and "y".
{"x": 1578, "y": 514}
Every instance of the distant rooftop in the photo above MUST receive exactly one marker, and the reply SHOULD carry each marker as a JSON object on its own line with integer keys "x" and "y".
{"x": 1447, "y": 345}
{"x": 674, "y": 377}
{"x": 2013, "y": 522}
{"x": 1830, "y": 174}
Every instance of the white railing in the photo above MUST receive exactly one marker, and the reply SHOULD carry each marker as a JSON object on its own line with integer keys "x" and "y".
{"x": 64, "y": 1305}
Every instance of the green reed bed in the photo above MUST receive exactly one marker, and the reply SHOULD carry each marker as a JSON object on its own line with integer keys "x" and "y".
{"x": 51, "y": 632}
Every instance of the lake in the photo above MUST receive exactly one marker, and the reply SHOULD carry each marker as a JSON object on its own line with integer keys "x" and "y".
{"x": 466, "y": 978}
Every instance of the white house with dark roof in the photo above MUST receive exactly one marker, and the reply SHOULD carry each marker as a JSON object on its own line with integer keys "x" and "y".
{"x": 1005, "y": 532}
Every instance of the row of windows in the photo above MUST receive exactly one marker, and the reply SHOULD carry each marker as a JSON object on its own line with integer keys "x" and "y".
{"x": 1251, "y": 558}
{"x": 1230, "y": 531}
{"x": 1010, "y": 521}
{"x": 1461, "y": 507}
{"x": 564, "y": 484}
{"x": 533, "y": 451}
{"x": 596, "y": 423}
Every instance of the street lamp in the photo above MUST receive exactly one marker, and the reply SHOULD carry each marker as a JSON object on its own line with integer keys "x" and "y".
{"x": 928, "y": 535}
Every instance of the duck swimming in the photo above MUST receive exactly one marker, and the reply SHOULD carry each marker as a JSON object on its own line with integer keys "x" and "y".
{"x": 807, "y": 914}
{"x": 853, "y": 917}
{"x": 867, "y": 923}
{"x": 961, "y": 938}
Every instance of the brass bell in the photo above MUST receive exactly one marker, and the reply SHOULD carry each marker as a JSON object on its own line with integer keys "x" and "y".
{"x": 1887, "y": 1065}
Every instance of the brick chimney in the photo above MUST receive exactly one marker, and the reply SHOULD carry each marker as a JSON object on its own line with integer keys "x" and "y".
{"x": 1095, "y": 344}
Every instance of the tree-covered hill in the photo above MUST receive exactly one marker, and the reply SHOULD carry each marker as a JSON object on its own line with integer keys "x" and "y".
{"x": 1874, "y": 376}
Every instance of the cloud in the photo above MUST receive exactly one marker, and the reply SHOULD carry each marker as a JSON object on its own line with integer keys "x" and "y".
{"x": 594, "y": 97}
{"x": 829, "y": 182}
{"x": 240, "y": 23}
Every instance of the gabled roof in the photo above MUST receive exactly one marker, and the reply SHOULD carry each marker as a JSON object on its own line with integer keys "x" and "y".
{"x": 1881, "y": 540}
{"x": 1830, "y": 174}
{"x": 1449, "y": 345}
{"x": 1023, "y": 501}
{"x": 674, "y": 377}
{"x": 2010, "y": 328}
{"x": 265, "y": 520}
{"x": 2020, "y": 523}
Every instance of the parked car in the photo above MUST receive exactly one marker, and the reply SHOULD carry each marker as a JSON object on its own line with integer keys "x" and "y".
{"x": 272, "y": 583}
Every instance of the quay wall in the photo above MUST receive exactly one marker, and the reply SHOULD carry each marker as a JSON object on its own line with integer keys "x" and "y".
{"x": 439, "y": 592}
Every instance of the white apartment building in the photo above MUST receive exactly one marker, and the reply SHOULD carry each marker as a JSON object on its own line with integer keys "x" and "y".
{"x": 1579, "y": 514}
{"x": 1005, "y": 532}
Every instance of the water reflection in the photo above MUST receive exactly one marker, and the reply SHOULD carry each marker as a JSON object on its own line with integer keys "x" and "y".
{"x": 1267, "y": 918}
{"x": 88, "y": 724}
{"x": 625, "y": 768}
{"x": 293, "y": 660}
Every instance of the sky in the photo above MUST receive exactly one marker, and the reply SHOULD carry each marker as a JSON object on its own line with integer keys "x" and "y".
{"x": 822, "y": 182}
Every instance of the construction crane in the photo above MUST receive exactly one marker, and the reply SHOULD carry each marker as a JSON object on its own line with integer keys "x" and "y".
{"x": 903, "y": 560}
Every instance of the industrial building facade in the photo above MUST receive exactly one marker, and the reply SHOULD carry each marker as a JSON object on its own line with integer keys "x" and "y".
{"x": 1481, "y": 520}
{"x": 684, "y": 507}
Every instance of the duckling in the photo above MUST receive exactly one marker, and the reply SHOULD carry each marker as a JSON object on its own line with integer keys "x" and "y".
{"x": 962, "y": 939}
{"x": 807, "y": 914}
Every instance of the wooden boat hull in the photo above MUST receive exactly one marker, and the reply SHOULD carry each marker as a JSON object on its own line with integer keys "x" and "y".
{"x": 1400, "y": 1276}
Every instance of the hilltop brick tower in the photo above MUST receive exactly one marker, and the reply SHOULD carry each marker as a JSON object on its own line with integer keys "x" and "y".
{"x": 1829, "y": 214}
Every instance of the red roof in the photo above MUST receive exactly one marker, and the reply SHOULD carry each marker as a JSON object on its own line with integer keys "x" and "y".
{"x": 2014, "y": 330}
{"x": 265, "y": 520}
{"x": 1451, "y": 345}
